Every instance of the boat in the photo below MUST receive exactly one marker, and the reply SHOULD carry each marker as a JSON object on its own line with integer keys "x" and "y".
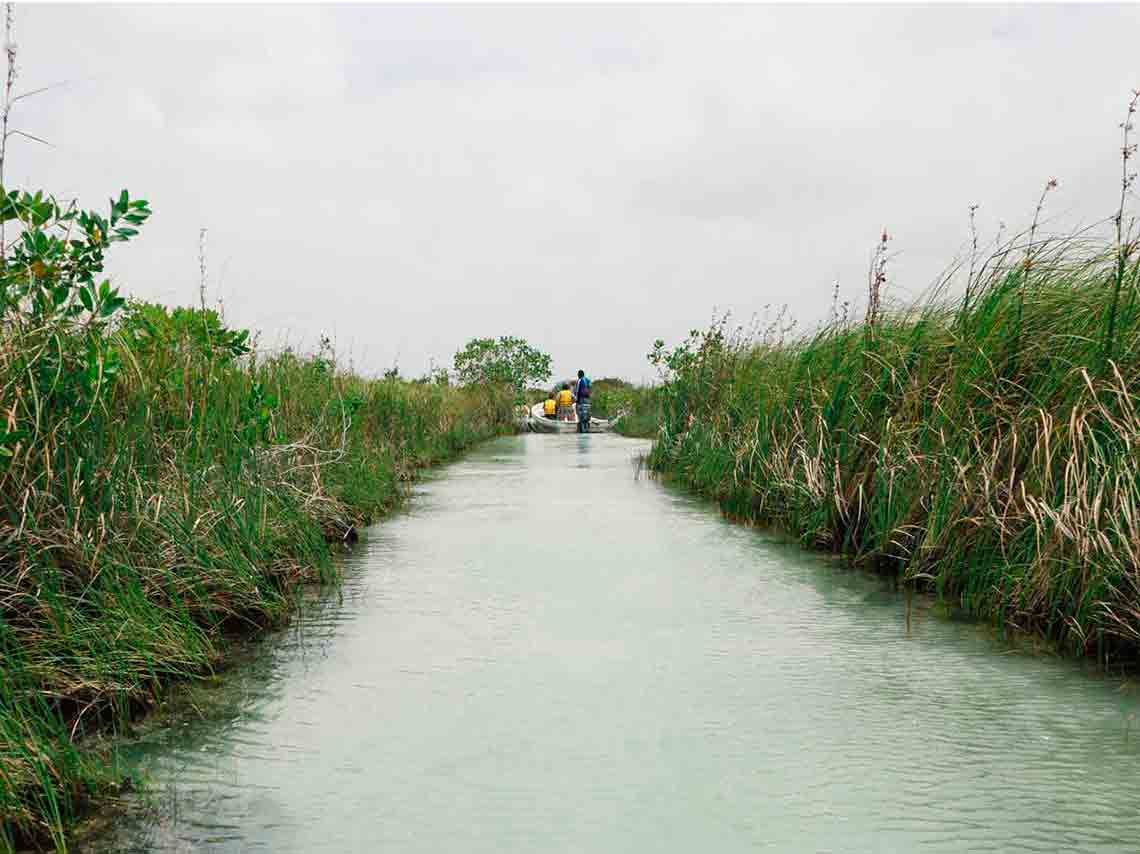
{"x": 539, "y": 423}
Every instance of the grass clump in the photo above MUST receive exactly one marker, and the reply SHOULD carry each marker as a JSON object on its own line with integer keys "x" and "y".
{"x": 163, "y": 485}
{"x": 987, "y": 446}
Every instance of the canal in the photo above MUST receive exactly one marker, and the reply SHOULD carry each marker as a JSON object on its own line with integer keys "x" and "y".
{"x": 547, "y": 653}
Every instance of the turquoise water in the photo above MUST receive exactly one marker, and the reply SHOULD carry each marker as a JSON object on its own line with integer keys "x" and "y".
{"x": 545, "y": 653}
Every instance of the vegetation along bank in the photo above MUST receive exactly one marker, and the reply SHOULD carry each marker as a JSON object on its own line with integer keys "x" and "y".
{"x": 163, "y": 486}
{"x": 636, "y": 408}
{"x": 987, "y": 446}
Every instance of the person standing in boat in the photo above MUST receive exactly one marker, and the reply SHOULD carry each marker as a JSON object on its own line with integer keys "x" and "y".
{"x": 582, "y": 398}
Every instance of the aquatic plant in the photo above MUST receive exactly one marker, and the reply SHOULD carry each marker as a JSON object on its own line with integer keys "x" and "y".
{"x": 164, "y": 484}
{"x": 984, "y": 445}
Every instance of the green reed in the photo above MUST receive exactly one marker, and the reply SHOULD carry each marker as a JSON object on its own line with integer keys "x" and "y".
{"x": 183, "y": 500}
{"x": 984, "y": 447}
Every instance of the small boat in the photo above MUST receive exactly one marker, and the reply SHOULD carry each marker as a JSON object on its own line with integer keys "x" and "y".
{"x": 539, "y": 423}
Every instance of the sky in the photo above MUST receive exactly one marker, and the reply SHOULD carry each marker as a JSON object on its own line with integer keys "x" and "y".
{"x": 590, "y": 178}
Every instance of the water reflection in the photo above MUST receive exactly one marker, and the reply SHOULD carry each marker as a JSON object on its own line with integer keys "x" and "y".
{"x": 537, "y": 657}
{"x": 583, "y": 445}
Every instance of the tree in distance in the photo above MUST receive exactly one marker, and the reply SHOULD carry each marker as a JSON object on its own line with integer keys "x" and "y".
{"x": 503, "y": 361}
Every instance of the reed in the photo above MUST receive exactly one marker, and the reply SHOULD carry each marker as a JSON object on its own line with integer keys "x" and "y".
{"x": 151, "y": 506}
{"x": 987, "y": 446}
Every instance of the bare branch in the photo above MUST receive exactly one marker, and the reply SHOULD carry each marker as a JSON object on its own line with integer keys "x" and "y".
{"x": 40, "y": 91}
{"x": 28, "y": 135}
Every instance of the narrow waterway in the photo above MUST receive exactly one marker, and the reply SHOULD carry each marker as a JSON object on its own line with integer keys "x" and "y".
{"x": 545, "y": 653}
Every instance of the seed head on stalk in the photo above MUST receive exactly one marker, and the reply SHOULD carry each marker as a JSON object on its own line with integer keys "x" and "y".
{"x": 1126, "y": 243}
{"x": 876, "y": 279}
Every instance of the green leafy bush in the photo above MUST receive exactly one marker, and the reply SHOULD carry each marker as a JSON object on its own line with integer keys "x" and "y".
{"x": 503, "y": 361}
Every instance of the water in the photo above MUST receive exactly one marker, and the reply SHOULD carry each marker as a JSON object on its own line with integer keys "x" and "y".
{"x": 545, "y": 654}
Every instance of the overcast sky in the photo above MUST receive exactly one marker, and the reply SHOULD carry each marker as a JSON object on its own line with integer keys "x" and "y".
{"x": 590, "y": 178}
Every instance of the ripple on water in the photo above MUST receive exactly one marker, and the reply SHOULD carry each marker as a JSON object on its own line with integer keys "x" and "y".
{"x": 547, "y": 654}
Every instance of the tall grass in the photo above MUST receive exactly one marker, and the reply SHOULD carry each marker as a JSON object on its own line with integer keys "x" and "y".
{"x": 181, "y": 501}
{"x": 636, "y": 410}
{"x": 988, "y": 447}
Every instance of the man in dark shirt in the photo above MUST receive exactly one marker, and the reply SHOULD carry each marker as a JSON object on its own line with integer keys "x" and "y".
{"x": 582, "y": 397}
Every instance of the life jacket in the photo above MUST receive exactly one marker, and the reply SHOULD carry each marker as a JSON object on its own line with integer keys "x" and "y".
{"x": 548, "y": 407}
{"x": 565, "y": 398}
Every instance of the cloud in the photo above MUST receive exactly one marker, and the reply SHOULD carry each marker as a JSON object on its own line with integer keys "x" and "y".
{"x": 590, "y": 178}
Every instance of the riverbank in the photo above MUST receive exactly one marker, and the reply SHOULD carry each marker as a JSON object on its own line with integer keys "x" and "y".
{"x": 639, "y": 407}
{"x": 173, "y": 490}
{"x": 984, "y": 447}
{"x": 453, "y": 671}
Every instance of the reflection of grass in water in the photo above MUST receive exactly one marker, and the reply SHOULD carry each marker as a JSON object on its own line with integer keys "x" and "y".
{"x": 1129, "y": 690}
{"x": 193, "y": 716}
